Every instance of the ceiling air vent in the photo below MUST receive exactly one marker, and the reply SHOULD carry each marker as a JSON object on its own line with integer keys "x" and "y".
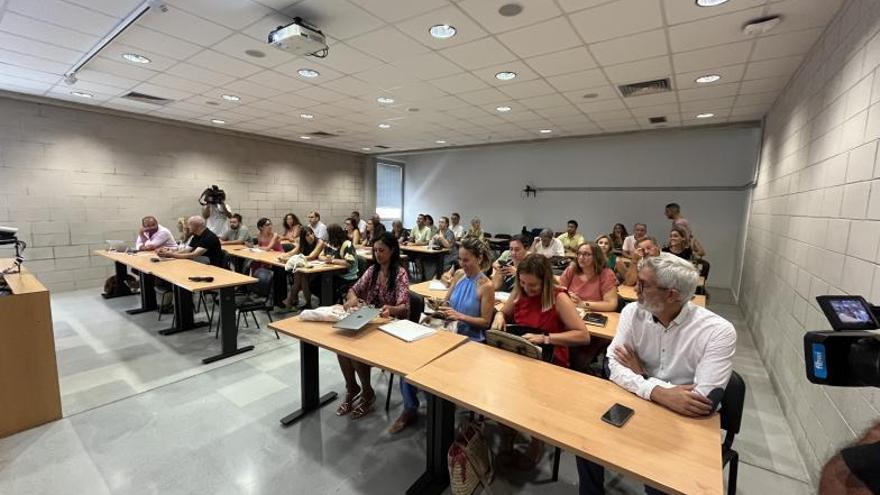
{"x": 322, "y": 134}
{"x": 145, "y": 98}
{"x": 644, "y": 88}
{"x": 657, "y": 120}
{"x": 382, "y": 146}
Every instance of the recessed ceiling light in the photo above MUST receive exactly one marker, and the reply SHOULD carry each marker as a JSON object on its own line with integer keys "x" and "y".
{"x": 708, "y": 78}
{"x": 255, "y": 53}
{"x": 546, "y": 131}
{"x": 706, "y": 115}
{"x": 135, "y": 58}
{"x": 589, "y": 96}
{"x": 305, "y": 137}
{"x": 384, "y": 126}
{"x": 366, "y": 148}
{"x": 440, "y": 141}
{"x": 309, "y": 73}
{"x": 503, "y": 109}
{"x": 505, "y": 76}
{"x": 710, "y": 3}
{"x": 442, "y": 31}
{"x": 82, "y": 94}
{"x": 231, "y": 97}
{"x": 218, "y": 121}
{"x": 385, "y": 100}
{"x": 307, "y": 116}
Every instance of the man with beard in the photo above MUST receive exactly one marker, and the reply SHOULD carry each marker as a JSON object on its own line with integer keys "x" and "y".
{"x": 667, "y": 350}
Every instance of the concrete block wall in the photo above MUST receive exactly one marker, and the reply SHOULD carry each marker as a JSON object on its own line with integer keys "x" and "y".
{"x": 814, "y": 226}
{"x": 71, "y": 179}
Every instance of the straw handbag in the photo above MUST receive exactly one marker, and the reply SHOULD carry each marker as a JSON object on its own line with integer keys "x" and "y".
{"x": 469, "y": 459}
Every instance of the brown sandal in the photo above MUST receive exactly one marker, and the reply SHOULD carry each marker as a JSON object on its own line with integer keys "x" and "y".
{"x": 346, "y": 406}
{"x": 406, "y": 418}
{"x": 363, "y": 407}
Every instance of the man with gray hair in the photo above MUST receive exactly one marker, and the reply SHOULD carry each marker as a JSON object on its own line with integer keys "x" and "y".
{"x": 548, "y": 245}
{"x": 204, "y": 242}
{"x": 667, "y": 350}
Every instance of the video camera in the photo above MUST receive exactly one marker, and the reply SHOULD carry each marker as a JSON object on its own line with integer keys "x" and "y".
{"x": 212, "y": 195}
{"x": 849, "y": 355}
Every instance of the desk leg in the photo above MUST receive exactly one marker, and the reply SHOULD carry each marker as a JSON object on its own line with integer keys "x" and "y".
{"x": 228, "y": 329}
{"x": 326, "y": 288}
{"x": 148, "y": 295}
{"x": 309, "y": 385}
{"x": 183, "y": 313}
{"x": 279, "y": 289}
{"x": 441, "y": 429}
{"x": 121, "y": 288}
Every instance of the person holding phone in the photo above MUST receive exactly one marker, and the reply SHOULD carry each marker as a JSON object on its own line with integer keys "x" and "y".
{"x": 504, "y": 268}
{"x": 667, "y": 350}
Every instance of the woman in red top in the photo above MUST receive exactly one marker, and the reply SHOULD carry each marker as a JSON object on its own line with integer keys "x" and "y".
{"x": 538, "y": 302}
{"x": 590, "y": 283}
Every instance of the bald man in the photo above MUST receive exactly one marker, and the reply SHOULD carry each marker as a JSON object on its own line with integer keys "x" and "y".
{"x": 204, "y": 242}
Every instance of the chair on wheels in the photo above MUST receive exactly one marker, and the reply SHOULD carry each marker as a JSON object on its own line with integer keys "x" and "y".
{"x": 263, "y": 301}
{"x": 731, "y": 419}
{"x": 416, "y": 308}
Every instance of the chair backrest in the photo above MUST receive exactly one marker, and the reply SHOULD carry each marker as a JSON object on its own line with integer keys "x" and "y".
{"x": 732, "y": 407}
{"x": 503, "y": 236}
{"x": 621, "y": 303}
{"x": 416, "y": 307}
{"x": 703, "y": 266}
{"x": 263, "y": 287}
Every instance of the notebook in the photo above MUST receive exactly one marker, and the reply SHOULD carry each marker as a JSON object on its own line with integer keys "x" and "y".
{"x": 406, "y": 330}
{"x": 437, "y": 285}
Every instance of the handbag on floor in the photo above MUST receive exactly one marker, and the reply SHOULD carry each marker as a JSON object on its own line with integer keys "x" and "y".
{"x": 469, "y": 459}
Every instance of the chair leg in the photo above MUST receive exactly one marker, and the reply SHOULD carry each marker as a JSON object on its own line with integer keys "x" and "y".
{"x": 390, "y": 389}
{"x": 556, "y": 456}
{"x": 732, "y": 472}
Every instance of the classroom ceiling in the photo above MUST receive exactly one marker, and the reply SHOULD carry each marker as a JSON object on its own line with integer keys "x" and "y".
{"x": 569, "y": 57}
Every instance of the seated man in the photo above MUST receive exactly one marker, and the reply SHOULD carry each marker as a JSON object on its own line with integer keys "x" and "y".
{"x": 237, "y": 233}
{"x": 153, "y": 236}
{"x": 504, "y": 268}
{"x": 571, "y": 239}
{"x": 667, "y": 350}
{"x": 204, "y": 243}
{"x": 547, "y": 245}
{"x": 420, "y": 235}
{"x": 647, "y": 247}
{"x": 640, "y": 231}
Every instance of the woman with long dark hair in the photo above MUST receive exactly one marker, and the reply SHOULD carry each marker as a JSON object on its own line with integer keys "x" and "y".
{"x": 290, "y": 231}
{"x": 617, "y": 235}
{"x": 384, "y": 285}
{"x": 310, "y": 246}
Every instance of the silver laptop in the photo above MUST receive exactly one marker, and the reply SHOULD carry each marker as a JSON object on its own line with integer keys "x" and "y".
{"x": 358, "y": 319}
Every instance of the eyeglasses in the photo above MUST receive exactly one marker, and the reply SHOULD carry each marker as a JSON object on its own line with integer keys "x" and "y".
{"x": 585, "y": 254}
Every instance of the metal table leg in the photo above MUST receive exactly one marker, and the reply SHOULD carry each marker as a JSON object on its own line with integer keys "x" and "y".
{"x": 441, "y": 426}
{"x": 309, "y": 385}
{"x": 228, "y": 329}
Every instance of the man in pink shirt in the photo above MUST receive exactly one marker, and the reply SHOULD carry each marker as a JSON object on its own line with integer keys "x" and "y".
{"x": 153, "y": 236}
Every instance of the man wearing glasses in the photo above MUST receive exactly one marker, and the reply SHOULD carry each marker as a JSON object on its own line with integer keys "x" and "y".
{"x": 667, "y": 350}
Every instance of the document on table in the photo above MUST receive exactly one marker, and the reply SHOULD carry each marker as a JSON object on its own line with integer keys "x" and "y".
{"x": 437, "y": 285}
{"x": 406, "y": 330}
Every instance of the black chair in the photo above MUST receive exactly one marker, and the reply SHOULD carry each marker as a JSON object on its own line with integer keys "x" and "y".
{"x": 703, "y": 266}
{"x": 731, "y": 419}
{"x": 263, "y": 301}
{"x": 416, "y": 308}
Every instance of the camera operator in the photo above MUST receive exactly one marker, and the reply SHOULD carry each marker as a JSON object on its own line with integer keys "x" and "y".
{"x": 215, "y": 210}
{"x": 856, "y": 469}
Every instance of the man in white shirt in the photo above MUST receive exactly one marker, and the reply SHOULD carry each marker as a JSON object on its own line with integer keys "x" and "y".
{"x": 153, "y": 236}
{"x": 667, "y": 350}
{"x": 640, "y": 231}
{"x": 361, "y": 224}
{"x": 317, "y": 225}
{"x": 457, "y": 228}
{"x": 548, "y": 245}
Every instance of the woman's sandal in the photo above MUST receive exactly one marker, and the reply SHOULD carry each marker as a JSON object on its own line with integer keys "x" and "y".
{"x": 363, "y": 407}
{"x": 346, "y": 406}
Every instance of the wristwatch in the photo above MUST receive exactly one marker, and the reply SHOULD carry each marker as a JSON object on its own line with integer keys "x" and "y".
{"x": 546, "y": 338}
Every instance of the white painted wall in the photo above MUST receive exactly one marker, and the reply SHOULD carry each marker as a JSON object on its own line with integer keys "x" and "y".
{"x": 487, "y": 182}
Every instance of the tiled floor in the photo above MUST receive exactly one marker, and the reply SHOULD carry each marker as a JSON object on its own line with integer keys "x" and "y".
{"x": 142, "y": 416}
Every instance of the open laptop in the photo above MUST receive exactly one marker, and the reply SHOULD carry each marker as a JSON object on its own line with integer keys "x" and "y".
{"x": 358, "y": 319}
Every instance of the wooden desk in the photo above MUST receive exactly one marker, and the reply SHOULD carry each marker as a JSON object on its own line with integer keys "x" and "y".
{"x": 658, "y": 447}
{"x": 369, "y": 345}
{"x": 628, "y": 292}
{"x": 29, "y": 391}
{"x": 177, "y": 272}
{"x": 424, "y": 250}
{"x": 423, "y": 289}
{"x": 419, "y": 253}
{"x": 610, "y": 328}
{"x": 366, "y": 253}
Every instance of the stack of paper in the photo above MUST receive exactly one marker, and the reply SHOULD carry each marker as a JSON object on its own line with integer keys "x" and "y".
{"x": 437, "y": 285}
{"x": 406, "y": 330}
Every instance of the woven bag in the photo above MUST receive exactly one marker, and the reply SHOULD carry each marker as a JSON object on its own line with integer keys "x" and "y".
{"x": 469, "y": 459}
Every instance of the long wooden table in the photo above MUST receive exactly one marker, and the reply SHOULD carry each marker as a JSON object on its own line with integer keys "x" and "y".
{"x": 177, "y": 272}
{"x": 657, "y": 446}
{"x": 421, "y": 252}
{"x": 369, "y": 345}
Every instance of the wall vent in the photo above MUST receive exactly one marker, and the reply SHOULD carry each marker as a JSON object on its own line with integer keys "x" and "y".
{"x": 644, "y": 88}
{"x": 657, "y": 120}
{"x": 382, "y": 146}
{"x": 322, "y": 134}
{"x": 145, "y": 98}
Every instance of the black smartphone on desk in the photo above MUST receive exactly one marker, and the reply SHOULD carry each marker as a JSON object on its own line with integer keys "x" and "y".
{"x": 596, "y": 319}
{"x": 617, "y": 415}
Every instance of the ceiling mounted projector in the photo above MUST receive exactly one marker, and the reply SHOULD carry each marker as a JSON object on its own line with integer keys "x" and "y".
{"x": 299, "y": 38}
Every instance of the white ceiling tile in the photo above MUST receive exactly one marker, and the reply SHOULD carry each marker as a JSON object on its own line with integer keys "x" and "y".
{"x": 629, "y": 48}
{"x": 388, "y": 44}
{"x": 486, "y": 13}
{"x": 25, "y": 73}
{"x": 602, "y": 92}
{"x": 668, "y": 111}
{"x": 350, "y": 86}
{"x": 467, "y": 113}
{"x": 459, "y": 83}
{"x": 179, "y": 83}
{"x": 161, "y": 91}
{"x": 237, "y": 44}
{"x": 549, "y": 36}
{"x": 645, "y": 70}
{"x": 318, "y": 93}
{"x": 523, "y": 73}
{"x": 466, "y": 29}
{"x": 712, "y": 31}
{"x": 393, "y": 10}
{"x": 386, "y": 76}
{"x": 38, "y": 49}
{"x": 778, "y": 67}
{"x": 538, "y": 103}
{"x": 749, "y": 110}
{"x": 245, "y": 88}
{"x": 427, "y": 66}
{"x": 697, "y": 106}
{"x": 483, "y": 96}
{"x": 763, "y": 85}
{"x": 64, "y": 92}
{"x": 599, "y": 107}
{"x": 199, "y": 74}
{"x": 183, "y": 25}
{"x": 156, "y": 42}
{"x": 559, "y": 113}
{"x": 562, "y": 62}
{"x": 527, "y": 89}
{"x": 651, "y": 100}
{"x": 234, "y": 14}
{"x": 678, "y": 12}
{"x": 480, "y": 53}
{"x": 116, "y": 8}
{"x": 291, "y": 69}
{"x": 578, "y": 80}
{"x": 219, "y": 62}
{"x": 718, "y": 56}
{"x": 729, "y": 74}
{"x": 616, "y": 19}
{"x": 786, "y": 44}
{"x": 415, "y": 92}
{"x": 347, "y": 60}
{"x": 121, "y": 69}
{"x": 89, "y": 74}
{"x": 11, "y": 22}
{"x": 708, "y": 92}
{"x": 575, "y": 5}
{"x": 757, "y": 99}
{"x": 797, "y": 17}
{"x": 337, "y": 18}
{"x": 115, "y": 51}
{"x": 65, "y": 14}
{"x": 13, "y": 83}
